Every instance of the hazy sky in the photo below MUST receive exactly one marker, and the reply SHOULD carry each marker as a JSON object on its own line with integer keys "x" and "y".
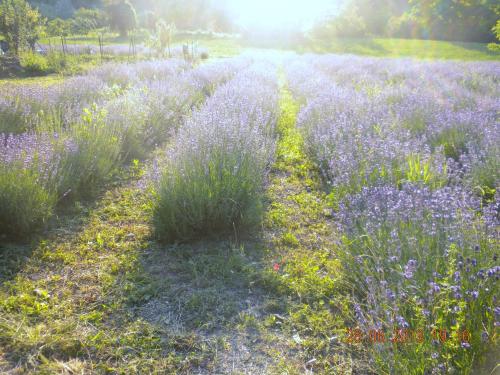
{"x": 278, "y": 13}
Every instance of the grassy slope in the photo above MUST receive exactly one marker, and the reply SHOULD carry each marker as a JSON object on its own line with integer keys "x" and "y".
{"x": 424, "y": 49}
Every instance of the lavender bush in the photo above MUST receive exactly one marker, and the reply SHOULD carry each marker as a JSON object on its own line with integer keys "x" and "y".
{"x": 30, "y": 170}
{"x": 409, "y": 153}
{"x": 212, "y": 177}
{"x": 83, "y": 128}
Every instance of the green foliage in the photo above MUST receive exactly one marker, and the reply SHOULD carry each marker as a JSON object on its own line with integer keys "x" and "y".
{"x": 496, "y": 30}
{"x": 122, "y": 16}
{"x": 445, "y": 310}
{"x": 485, "y": 176}
{"x": 58, "y": 27}
{"x": 461, "y": 20}
{"x": 86, "y": 20}
{"x": 200, "y": 200}
{"x": 163, "y": 37}
{"x": 20, "y": 24}
{"x": 454, "y": 141}
{"x": 347, "y": 24}
{"x": 34, "y": 63}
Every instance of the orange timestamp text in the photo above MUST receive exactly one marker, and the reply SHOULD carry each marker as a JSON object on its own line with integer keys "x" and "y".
{"x": 404, "y": 336}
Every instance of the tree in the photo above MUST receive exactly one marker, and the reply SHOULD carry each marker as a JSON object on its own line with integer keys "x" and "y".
{"x": 122, "y": 16}
{"x": 496, "y": 31}
{"x": 148, "y": 20}
{"x": 463, "y": 20}
{"x": 20, "y": 24}
{"x": 58, "y": 27}
{"x": 35, "y": 27}
{"x": 86, "y": 20}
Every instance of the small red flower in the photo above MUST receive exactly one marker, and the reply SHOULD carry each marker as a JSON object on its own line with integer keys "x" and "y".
{"x": 276, "y": 267}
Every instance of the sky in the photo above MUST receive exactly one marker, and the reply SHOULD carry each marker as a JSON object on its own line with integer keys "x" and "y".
{"x": 280, "y": 13}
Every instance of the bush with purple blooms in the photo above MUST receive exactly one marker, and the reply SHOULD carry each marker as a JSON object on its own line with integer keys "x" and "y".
{"x": 29, "y": 165}
{"x": 212, "y": 177}
{"x": 63, "y": 141}
{"x": 409, "y": 154}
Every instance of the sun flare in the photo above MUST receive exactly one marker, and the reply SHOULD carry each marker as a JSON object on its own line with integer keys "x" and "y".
{"x": 280, "y": 13}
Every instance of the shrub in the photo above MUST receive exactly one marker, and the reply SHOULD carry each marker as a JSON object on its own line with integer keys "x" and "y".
{"x": 93, "y": 155}
{"x": 25, "y": 205}
{"x": 211, "y": 180}
{"x": 421, "y": 260}
{"x": 28, "y": 165}
{"x": 35, "y": 63}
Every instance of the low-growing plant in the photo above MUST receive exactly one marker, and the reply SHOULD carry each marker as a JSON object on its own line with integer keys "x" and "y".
{"x": 454, "y": 141}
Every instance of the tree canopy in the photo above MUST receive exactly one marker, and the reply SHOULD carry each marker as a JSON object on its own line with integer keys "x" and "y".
{"x": 20, "y": 24}
{"x": 122, "y": 16}
{"x": 455, "y": 20}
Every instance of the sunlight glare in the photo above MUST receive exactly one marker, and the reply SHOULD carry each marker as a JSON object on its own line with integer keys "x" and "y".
{"x": 271, "y": 14}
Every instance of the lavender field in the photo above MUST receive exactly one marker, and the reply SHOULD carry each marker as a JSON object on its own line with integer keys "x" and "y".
{"x": 263, "y": 214}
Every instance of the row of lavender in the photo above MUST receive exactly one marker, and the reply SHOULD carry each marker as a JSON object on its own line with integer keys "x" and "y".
{"x": 211, "y": 178}
{"x": 409, "y": 152}
{"x": 64, "y": 140}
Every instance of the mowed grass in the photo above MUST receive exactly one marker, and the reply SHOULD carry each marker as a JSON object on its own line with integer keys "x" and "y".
{"x": 422, "y": 49}
{"x": 45, "y": 80}
{"x": 67, "y": 300}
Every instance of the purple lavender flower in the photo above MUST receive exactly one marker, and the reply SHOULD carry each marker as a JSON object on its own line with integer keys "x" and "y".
{"x": 410, "y": 268}
{"x": 434, "y": 288}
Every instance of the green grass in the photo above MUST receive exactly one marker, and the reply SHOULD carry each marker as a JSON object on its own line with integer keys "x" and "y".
{"x": 45, "y": 80}
{"x": 76, "y": 315}
{"x": 422, "y": 49}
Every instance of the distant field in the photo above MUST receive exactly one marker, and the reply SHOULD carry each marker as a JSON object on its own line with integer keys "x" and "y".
{"x": 382, "y": 47}
{"x": 424, "y": 49}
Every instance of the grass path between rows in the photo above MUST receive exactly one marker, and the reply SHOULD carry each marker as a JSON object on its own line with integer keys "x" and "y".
{"x": 99, "y": 295}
